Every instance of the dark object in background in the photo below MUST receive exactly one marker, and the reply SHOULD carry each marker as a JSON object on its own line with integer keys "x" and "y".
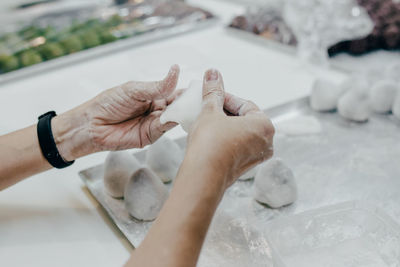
{"x": 386, "y": 35}
{"x": 267, "y": 23}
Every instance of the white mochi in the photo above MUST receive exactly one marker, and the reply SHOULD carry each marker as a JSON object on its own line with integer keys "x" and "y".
{"x": 396, "y": 106}
{"x": 250, "y": 174}
{"x": 325, "y": 95}
{"x": 382, "y": 95}
{"x": 393, "y": 72}
{"x": 145, "y": 195}
{"x": 354, "y": 105}
{"x": 118, "y": 168}
{"x": 186, "y": 108}
{"x": 164, "y": 157}
{"x": 299, "y": 125}
{"x": 275, "y": 184}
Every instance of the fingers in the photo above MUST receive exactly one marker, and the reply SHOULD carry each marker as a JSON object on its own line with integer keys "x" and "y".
{"x": 149, "y": 91}
{"x": 238, "y": 106}
{"x": 213, "y": 91}
{"x": 156, "y": 129}
{"x": 174, "y": 96}
{"x": 161, "y": 104}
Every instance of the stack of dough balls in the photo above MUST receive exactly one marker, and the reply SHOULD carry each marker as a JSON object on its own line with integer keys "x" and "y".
{"x": 360, "y": 95}
{"x": 142, "y": 186}
{"x": 274, "y": 183}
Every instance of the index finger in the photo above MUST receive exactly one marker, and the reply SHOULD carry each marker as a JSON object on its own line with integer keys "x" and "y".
{"x": 239, "y": 106}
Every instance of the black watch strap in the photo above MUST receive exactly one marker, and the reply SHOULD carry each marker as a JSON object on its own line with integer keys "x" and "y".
{"x": 47, "y": 143}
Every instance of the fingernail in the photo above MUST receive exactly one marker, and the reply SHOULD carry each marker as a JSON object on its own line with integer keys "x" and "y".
{"x": 212, "y": 75}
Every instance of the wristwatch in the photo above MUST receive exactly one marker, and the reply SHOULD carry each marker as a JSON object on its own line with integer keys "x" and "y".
{"x": 47, "y": 143}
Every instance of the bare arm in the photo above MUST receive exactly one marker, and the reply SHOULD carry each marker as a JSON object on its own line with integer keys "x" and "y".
{"x": 220, "y": 149}
{"x": 126, "y": 116}
{"x": 20, "y": 156}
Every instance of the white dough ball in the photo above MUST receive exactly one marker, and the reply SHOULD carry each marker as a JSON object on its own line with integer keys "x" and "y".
{"x": 164, "y": 157}
{"x": 250, "y": 174}
{"x": 275, "y": 184}
{"x": 118, "y": 168}
{"x": 382, "y": 95}
{"x": 396, "y": 106}
{"x": 393, "y": 72}
{"x": 325, "y": 95}
{"x": 354, "y": 105}
{"x": 145, "y": 195}
{"x": 186, "y": 108}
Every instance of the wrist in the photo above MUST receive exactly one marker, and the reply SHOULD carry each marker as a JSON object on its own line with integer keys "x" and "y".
{"x": 71, "y": 134}
{"x": 215, "y": 173}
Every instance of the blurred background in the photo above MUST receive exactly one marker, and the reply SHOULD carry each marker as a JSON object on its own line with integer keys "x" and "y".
{"x": 39, "y": 31}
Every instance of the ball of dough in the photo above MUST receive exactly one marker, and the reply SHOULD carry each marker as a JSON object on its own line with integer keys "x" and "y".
{"x": 275, "y": 184}
{"x": 164, "y": 157}
{"x": 396, "y": 106}
{"x": 186, "y": 108}
{"x": 250, "y": 174}
{"x": 145, "y": 195}
{"x": 325, "y": 95}
{"x": 382, "y": 95}
{"x": 354, "y": 105}
{"x": 118, "y": 168}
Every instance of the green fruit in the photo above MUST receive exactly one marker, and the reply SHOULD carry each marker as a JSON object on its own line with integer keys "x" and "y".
{"x": 115, "y": 20}
{"x": 72, "y": 44}
{"x": 8, "y": 63}
{"x": 30, "y": 32}
{"x": 90, "y": 39}
{"x": 50, "y": 51}
{"x": 107, "y": 37}
{"x": 29, "y": 58}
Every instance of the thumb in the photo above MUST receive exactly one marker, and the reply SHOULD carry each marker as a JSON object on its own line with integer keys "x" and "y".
{"x": 213, "y": 91}
{"x": 149, "y": 91}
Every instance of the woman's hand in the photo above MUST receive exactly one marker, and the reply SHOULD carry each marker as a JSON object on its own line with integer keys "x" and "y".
{"x": 126, "y": 116}
{"x": 220, "y": 148}
{"x": 231, "y": 134}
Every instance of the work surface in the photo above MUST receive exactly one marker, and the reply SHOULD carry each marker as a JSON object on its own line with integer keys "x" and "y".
{"x": 50, "y": 219}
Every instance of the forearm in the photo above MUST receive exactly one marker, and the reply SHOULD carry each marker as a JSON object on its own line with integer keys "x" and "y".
{"x": 20, "y": 156}
{"x": 176, "y": 237}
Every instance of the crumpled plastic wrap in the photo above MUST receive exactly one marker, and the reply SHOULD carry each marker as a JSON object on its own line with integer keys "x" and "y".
{"x": 319, "y": 24}
{"x": 386, "y": 34}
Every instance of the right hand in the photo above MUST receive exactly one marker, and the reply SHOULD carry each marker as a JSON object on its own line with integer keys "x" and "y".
{"x": 231, "y": 143}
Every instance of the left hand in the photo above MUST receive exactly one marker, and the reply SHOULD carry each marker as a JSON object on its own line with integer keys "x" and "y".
{"x": 123, "y": 117}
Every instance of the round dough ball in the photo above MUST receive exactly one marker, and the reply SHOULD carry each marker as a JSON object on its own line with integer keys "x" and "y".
{"x": 145, "y": 195}
{"x": 250, "y": 174}
{"x": 354, "y": 105}
{"x": 325, "y": 95}
{"x": 396, "y": 106}
{"x": 118, "y": 168}
{"x": 164, "y": 157}
{"x": 275, "y": 184}
{"x": 382, "y": 95}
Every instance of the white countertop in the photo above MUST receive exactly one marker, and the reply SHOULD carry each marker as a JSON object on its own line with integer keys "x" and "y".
{"x": 51, "y": 219}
